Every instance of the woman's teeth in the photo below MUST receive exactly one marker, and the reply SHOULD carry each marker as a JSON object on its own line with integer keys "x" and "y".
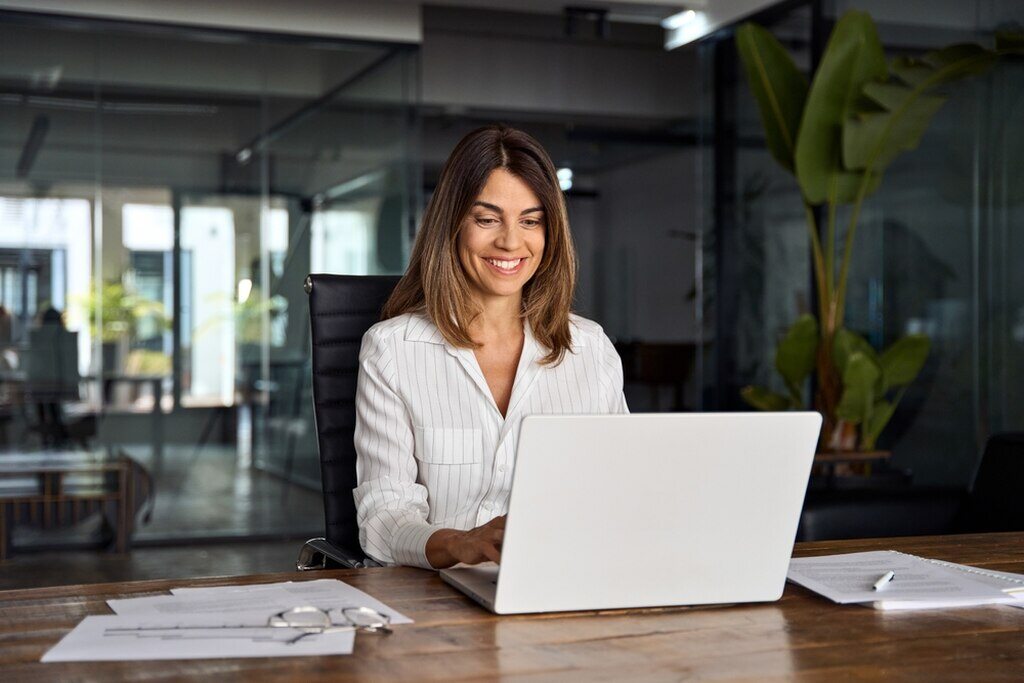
{"x": 504, "y": 265}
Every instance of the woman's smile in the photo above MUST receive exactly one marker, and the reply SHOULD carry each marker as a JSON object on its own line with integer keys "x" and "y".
{"x": 506, "y": 266}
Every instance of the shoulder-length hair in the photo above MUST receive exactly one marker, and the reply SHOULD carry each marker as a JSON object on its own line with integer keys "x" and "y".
{"x": 435, "y": 282}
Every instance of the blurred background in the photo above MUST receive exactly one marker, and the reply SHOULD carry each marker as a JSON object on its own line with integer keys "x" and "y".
{"x": 171, "y": 171}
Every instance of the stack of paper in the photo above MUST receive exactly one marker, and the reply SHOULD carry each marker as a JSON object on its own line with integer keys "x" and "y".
{"x": 221, "y": 621}
{"x": 918, "y": 583}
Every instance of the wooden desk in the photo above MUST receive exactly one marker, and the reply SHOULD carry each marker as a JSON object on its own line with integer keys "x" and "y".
{"x": 800, "y": 637}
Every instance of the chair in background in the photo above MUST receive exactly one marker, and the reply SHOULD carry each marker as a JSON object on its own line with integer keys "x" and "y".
{"x": 656, "y": 365}
{"x": 341, "y": 309}
{"x": 993, "y": 503}
{"x": 52, "y": 382}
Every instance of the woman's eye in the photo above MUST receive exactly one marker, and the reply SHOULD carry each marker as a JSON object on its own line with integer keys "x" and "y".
{"x": 531, "y": 223}
{"x": 487, "y": 222}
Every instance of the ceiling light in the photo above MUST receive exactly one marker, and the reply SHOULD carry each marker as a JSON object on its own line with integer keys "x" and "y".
{"x": 564, "y": 178}
{"x": 677, "y": 20}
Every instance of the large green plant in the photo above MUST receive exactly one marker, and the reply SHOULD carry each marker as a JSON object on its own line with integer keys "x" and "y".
{"x": 837, "y": 136}
{"x": 120, "y": 311}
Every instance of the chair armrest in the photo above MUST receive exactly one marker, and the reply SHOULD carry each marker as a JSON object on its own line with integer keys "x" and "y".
{"x": 315, "y": 553}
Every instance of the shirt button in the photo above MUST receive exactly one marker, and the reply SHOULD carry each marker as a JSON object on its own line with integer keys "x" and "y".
{"x": 501, "y": 470}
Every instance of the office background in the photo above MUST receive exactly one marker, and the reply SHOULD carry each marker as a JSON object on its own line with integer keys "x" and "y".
{"x": 167, "y": 182}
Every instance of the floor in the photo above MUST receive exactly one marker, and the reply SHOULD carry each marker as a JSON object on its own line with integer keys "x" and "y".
{"x": 208, "y": 493}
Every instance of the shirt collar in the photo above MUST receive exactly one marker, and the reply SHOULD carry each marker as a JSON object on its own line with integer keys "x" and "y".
{"x": 421, "y": 329}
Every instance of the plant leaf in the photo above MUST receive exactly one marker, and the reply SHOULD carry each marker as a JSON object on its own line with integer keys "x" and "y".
{"x": 892, "y": 117}
{"x": 881, "y": 413}
{"x": 957, "y": 61}
{"x": 902, "y": 361}
{"x": 859, "y": 380}
{"x": 1007, "y": 41}
{"x": 852, "y": 58}
{"x": 765, "y": 399}
{"x": 796, "y": 353}
{"x": 846, "y": 343}
{"x": 861, "y": 133}
{"x": 779, "y": 88}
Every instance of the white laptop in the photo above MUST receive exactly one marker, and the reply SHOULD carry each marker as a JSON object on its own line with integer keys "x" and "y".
{"x": 644, "y": 510}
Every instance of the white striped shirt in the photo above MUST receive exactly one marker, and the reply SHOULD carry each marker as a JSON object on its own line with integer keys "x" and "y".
{"x": 433, "y": 450}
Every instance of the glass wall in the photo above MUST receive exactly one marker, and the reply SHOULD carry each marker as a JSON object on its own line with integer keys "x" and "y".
{"x": 936, "y": 249}
{"x": 756, "y": 274}
{"x": 163, "y": 194}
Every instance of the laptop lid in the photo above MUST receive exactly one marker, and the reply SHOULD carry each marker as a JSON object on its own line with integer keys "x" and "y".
{"x": 616, "y": 511}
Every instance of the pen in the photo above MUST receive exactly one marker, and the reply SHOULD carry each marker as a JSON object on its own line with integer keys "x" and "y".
{"x": 884, "y": 579}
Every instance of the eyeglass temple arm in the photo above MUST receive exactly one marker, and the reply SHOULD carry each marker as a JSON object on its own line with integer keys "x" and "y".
{"x": 315, "y": 552}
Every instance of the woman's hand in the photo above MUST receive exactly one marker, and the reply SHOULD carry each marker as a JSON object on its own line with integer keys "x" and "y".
{"x": 449, "y": 546}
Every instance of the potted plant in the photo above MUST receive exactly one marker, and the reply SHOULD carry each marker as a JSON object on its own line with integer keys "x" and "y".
{"x": 114, "y": 315}
{"x": 836, "y": 136}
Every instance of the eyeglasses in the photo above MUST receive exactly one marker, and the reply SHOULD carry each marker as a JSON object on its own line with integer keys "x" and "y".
{"x": 307, "y": 620}
{"x": 313, "y": 621}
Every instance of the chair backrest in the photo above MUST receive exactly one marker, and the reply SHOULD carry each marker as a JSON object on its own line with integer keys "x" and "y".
{"x": 995, "y": 502}
{"x": 341, "y": 309}
{"x": 51, "y": 367}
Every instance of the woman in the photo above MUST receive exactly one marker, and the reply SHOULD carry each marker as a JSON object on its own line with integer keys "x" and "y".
{"x": 477, "y": 334}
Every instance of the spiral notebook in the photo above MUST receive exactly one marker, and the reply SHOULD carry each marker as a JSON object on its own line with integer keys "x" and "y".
{"x": 919, "y": 583}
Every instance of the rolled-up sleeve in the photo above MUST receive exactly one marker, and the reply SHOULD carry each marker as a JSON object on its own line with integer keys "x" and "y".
{"x": 611, "y": 367}
{"x": 391, "y": 507}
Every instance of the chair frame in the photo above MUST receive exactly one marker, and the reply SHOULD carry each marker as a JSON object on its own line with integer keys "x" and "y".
{"x": 317, "y": 552}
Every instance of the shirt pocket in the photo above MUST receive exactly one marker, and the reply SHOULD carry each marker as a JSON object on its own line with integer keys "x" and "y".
{"x": 447, "y": 446}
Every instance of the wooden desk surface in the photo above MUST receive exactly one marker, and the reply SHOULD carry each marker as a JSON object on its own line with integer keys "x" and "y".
{"x": 800, "y": 637}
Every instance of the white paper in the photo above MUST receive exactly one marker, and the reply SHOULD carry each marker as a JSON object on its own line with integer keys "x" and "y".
{"x": 326, "y": 594}
{"x": 918, "y": 583}
{"x": 1005, "y": 581}
{"x": 120, "y": 638}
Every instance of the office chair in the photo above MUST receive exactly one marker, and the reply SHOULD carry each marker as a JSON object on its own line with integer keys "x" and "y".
{"x": 993, "y": 503}
{"x": 341, "y": 309}
{"x": 51, "y": 382}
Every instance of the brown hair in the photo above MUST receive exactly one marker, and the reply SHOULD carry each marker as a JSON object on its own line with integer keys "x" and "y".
{"x": 435, "y": 282}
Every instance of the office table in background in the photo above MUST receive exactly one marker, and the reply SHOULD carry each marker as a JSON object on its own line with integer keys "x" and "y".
{"x": 801, "y": 636}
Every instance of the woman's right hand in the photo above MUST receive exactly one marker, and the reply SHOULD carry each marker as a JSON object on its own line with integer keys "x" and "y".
{"x": 446, "y": 547}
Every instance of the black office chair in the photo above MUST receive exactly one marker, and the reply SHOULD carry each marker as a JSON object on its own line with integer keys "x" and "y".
{"x": 341, "y": 309}
{"x": 993, "y": 503}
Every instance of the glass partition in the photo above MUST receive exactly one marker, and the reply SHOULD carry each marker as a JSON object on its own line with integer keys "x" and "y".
{"x": 936, "y": 252}
{"x": 163, "y": 195}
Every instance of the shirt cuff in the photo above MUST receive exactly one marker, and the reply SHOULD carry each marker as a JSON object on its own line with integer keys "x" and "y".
{"x": 409, "y": 544}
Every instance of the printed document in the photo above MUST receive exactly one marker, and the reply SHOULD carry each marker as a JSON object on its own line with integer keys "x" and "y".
{"x": 326, "y": 594}
{"x": 218, "y": 622}
{"x": 918, "y": 583}
{"x": 115, "y": 638}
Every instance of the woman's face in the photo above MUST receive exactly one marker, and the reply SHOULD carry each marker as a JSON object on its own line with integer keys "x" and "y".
{"x": 502, "y": 239}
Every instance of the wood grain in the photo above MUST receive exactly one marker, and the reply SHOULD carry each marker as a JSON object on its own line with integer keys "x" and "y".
{"x": 800, "y": 637}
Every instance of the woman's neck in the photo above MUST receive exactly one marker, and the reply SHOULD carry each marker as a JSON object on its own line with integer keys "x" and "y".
{"x": 499, "y": 318}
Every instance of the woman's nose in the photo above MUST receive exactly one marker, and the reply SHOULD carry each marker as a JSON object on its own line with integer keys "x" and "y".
{"x": 509, "y": 238}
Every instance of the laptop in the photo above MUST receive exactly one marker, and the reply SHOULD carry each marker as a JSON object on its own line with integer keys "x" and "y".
{"x": 648, "y": 510}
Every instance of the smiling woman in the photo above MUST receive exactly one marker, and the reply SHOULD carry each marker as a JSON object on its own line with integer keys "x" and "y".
{"x": 501, "y": 242}
{"x": 477, "y": 335}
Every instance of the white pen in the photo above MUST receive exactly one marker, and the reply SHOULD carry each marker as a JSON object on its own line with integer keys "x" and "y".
{"x": 884, "y": 579}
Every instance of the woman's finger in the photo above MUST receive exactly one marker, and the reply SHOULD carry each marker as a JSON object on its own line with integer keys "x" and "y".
{"x": 491, "y": 553}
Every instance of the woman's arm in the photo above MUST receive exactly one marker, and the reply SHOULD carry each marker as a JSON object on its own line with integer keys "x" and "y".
{"x": 448, "y": 546}
{"x": 611, "y": 368}
{"x": 391, "y": 507}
